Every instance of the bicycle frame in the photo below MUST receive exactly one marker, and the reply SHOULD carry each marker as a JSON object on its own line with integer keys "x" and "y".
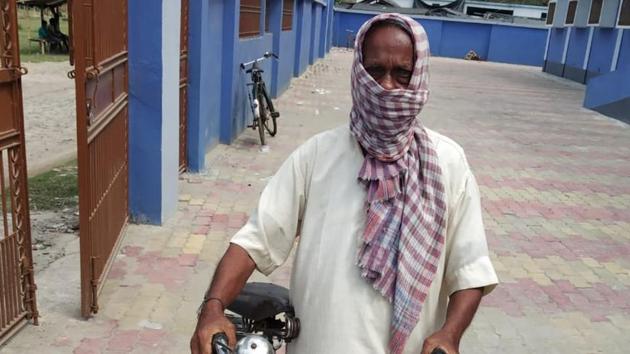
{"x": 261, "y": 105}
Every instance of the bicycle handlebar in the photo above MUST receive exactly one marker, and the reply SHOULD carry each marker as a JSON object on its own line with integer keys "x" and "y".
{"x": 265, "y": 56}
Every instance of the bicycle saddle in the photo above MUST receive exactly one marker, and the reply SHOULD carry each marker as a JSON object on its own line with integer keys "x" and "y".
{"x": 258, "y": 301}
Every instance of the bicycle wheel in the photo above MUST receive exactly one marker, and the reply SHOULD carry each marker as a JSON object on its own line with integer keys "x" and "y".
{"x": 270, "y": 118}
{"x": 261, "y": 116}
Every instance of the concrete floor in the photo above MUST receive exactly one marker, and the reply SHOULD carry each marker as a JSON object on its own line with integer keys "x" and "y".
{"x": 555, "y": 183}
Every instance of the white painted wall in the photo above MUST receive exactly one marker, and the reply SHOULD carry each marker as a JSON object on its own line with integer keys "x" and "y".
{"x": 171, "y": 16}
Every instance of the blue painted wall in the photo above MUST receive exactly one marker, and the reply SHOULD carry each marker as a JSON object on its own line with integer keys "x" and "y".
{"x": 316, "y": 22}
{"x": 145, "y": 110}
{"x": 275, "y": 27}
{"x": 624, "y": 51}
{"x": 153, "y": 109}
{"x": 286, "y": 52}
{"x": 323, "y": 33}
{"x": 527, "y": 50}
{"x": 576, "y": 51}
{"x": 602, "y": 49}
{"x": 204, "y": 89}
{"x": 609, "y": 94}
{"x": 458, "y": 38}
{"x": 608, "y": 88}
{"x": 218, "y": 96}
{"x": 303, "y": 35}
{"x": 452, "y": 38}
{"x": 556, "y": 44}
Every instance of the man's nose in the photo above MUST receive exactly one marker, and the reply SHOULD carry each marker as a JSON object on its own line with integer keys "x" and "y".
{"x": 387, "y": 82}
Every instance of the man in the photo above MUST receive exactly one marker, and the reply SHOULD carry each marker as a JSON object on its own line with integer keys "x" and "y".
{"x": 392, "y": 256}
{"x": 55, "y": 33}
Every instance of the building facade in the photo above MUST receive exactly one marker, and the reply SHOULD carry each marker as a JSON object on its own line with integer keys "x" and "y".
{"x": 589, "y": 42}
{"x": 205, "y": 81}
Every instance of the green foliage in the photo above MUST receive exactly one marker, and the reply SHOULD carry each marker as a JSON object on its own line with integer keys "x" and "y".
{"x": 56, "y": 189}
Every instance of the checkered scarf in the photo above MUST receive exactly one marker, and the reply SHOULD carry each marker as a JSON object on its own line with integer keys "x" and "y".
{"x": 404, "y": 231}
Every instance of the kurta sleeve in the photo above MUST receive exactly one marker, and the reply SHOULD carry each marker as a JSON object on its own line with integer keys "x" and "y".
{"x": 270, "y": 232}
{"x": 467, "y": 262}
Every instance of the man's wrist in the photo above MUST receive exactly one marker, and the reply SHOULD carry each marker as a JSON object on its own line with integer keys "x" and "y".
{"x": 211, "y": 305}
{"x": 452, "y": 332}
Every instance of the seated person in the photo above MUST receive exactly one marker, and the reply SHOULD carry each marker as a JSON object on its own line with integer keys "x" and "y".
{"x": 42, "y": 33}
{"x": 56, "y": 35}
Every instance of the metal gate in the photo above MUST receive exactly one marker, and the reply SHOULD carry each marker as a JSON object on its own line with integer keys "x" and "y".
{"x": 17, "y": 287}
{"x": 100, "y": 55}
{"x": 183, "y": 87}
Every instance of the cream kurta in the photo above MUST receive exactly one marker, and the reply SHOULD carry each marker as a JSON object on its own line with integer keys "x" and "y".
{"x": 340, "y": 312}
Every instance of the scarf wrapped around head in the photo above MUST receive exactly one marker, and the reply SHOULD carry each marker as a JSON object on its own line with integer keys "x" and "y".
{"x": 404, "y": 232}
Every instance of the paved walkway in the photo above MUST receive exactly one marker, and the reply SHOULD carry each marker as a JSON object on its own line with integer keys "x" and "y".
{"x": 555, "y": 180}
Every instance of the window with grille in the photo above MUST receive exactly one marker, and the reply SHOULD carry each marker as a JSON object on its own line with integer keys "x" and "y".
{"x": 267, "y": 15}
{"x": 596, "y": 10}
{"x": 249, "y": 24}
{"x": 551, "y": 11}
{"x": 287, "y": 15}
{"x": 570, "y": 19}
{"x": 624, "y": 14}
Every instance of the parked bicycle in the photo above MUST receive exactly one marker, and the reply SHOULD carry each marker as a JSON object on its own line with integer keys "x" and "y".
{"x": 265, "y": 114}
{"x": 264, "y": 320}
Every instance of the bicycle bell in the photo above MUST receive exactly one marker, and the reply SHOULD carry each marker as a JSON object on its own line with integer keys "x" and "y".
{"x": 254, "y": 344}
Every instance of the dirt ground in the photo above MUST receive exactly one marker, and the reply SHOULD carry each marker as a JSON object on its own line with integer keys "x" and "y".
{"x": 49, "y": 115}
{"x": 50, "y": 126}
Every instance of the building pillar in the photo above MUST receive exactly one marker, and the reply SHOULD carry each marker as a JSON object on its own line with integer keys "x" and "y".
{"x": 205, "y": 28}
{"x": 154, "y": 46}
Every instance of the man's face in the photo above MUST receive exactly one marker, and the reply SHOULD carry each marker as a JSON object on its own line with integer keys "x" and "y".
{"x": 388, "y": 57}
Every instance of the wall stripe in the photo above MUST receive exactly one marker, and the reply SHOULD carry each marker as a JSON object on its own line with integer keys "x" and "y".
{"x": 615, "y": 58}
{"x": 566, "y": 46}
{"x": 587, "y": 55}
{"x": 547, "y": 45}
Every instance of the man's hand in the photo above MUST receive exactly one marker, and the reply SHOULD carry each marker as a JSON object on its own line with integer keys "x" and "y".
{"x": 441, "y": 339}
{"x": 229, "y": 278}
{"x": 211, "y": 321}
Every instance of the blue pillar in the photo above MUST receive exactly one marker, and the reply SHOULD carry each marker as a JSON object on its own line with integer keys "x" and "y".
{"x": 231, "y": 16}
{"x": 153, "y": 109}
{"x": 275, "y": 26}
{"x": 204, "y": 79}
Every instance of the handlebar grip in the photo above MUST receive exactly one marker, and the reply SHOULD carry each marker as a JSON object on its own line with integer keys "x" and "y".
{"x": 438, "y": 350}
{"x": 220, "y": 344}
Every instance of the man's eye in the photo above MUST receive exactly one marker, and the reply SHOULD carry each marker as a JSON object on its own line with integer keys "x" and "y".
{"x": 375, "y": 72}
{"x": 403, "y": 76}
